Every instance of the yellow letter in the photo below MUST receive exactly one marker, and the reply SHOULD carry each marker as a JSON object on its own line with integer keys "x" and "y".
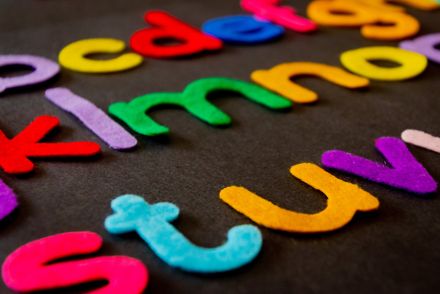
{"x": 411, "y": 63}
{"x": 278, "y": 80}
{"x": 344, "y": 199}
{"x": 73, "y": 56}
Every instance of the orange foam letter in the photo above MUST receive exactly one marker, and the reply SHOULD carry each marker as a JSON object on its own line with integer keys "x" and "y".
{"x": 344, "y": 199}
{"x": 277, "y": 79}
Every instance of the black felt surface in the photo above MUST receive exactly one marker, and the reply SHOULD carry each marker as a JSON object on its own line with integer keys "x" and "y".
{"x": 393, "y": 250}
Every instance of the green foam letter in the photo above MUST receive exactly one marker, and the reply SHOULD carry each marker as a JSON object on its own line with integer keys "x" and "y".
{"x": 192, "y": 99}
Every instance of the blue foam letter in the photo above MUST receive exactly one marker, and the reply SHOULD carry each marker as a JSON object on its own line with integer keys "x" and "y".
{"x": 151, "y": 222}
{"x": 242, "y": 29}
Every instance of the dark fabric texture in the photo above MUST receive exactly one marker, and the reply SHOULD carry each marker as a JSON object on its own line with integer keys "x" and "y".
{"x": 394, "y": 250}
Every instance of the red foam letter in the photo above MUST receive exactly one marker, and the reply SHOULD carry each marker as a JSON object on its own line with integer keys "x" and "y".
{"x": 26, "y": 268}
{"x": 14, "y": 152}
{"x": 165, "y": 26}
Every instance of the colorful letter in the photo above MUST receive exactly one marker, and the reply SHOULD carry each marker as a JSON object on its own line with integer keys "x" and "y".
{"x": 242, "y": 29}
{"x": 404, "y": 26}
{"x": 190, "y": 40}
{"x": 344, "y": 200}
{"x": 93, "y": 118}
{"x": 15, "y": 152}
{"x": 411, "y": 64}
{"x": 27, "y": 269}
{"x": 340, "y": 13}
{"x": 282, "y": 15}
{"x": 44, "y": 69}
{"x": 422, "y": 139}
{"x": 193, "y": 99}
{"x": 383, "y": 4}
{"x": 419, "y": 4}
{"x": 277, "y": 79}
{"x": 369, "y": 16}
{"x": 151, "y": 222}
{"x": 405, "y": 171}
{"x": 73, "y": 56}
{"x": 8, "y": 200}
{"x": 425, "y": 45}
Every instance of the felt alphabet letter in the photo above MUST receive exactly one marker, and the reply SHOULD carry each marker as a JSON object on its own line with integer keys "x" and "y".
{"x": 73, "y": 56}
{"x": 340, "y": 13}
{"x": 282, "y": 15}
{"x": 422, "y": 139}
{"x": 394, "y": 5}
{"x": 14, "y": 152}
{"x": 344, "y": 200}
{"x": 425, "y": 45}
{"x": 93, "y": 117}
{"x": 27, "y": 269}
{"x": 405, "y": 171}
{"x": 381, "y": 5}
{"x": 151, "y": 222}
{"x": 193, "y": 99}
{"x": 242, "y": 29}
{"x": 369, "y": 16}
{"x": 419, "y": 4}
{"x": 44, "y": 69}
{"x": 8, "y": 200}
{"x": 277, "y": 79}
{"x": 411, "y": 63}
{"x": 190, "y": 40}
{"x": 403, "y": 26}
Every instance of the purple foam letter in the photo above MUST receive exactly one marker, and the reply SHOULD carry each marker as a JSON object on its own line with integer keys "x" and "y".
{"x": 44, "y": 69}
{"x": 8, "y": 200}
{"x": 93, "y": 118}
{"x": 424, "y": 45}
{"x": 405, "y": 171}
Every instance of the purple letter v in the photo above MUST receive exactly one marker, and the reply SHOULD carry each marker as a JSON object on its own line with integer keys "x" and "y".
{"x": 405, "y": 171}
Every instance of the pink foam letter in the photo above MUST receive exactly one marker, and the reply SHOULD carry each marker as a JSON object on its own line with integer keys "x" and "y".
{"x": 27, "y": 269}
{"x": 282, "y": 15}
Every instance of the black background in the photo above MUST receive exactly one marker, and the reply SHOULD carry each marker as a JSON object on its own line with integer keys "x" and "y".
{"x": 392, "y": 250}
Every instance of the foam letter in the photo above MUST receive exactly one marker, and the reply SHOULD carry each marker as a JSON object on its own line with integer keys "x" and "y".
{"x": 27, "y": 269}
{"x": 14, "y": 152}
{"x": 422, "y": 139}
{"x": 411, "y": 63}
{"x": 345, "y": 13}
{"x": 419, "y": 4}
{"x": 73, "y": 56}
{"x": 242, "y": 29}
{"x": 424, "y": 45}
{"x": 193, "y": 99}
{"x": 93, "y": 118}
{"x": 151, "y": 222}
{"x": 165, "y": 26}
{"x": 340, "y": 13}
{"x": 8, "y": 200}
{"x": 404, "y": 26}
{"x": 384, "y": 4}
{"x": 380, "y": 5}
{"x": 44, "y": 69}
{"x": 282, "y": 15}
{"x": 277, "y": 79}
{"x": 405, "y": 171}
{"x": 344, "y": 200}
